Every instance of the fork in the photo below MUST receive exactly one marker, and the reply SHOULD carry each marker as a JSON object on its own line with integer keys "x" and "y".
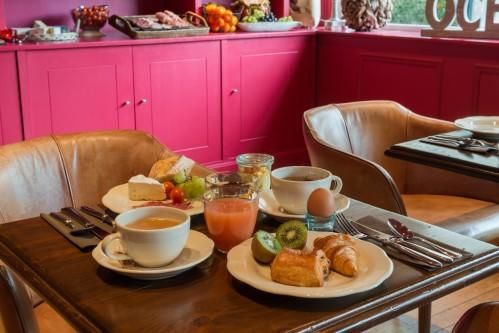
{"x": 347, "y": 227}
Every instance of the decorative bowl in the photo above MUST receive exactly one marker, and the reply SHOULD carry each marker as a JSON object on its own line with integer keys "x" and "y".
{"x": 91, "y": 19}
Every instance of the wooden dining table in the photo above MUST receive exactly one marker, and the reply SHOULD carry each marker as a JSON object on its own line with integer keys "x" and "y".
{"x": 485, "y": 166}
{"x": 208, "y": 299}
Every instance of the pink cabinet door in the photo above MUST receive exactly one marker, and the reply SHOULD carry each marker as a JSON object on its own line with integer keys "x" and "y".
{"x": 267, "y": 85}
{"x": 10, "y": 111}
{"x": 76, "y": 90}
{"x": 177, "y": 89}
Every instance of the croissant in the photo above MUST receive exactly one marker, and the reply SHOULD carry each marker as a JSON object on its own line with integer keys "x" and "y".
{"x": 297, "y": 268}
{"x": 341, "y": 252}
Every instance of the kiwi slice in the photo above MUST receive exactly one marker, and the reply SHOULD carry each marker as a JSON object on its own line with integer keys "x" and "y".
{"x": 264, "y": 247}
{"x": 292, "y": 234}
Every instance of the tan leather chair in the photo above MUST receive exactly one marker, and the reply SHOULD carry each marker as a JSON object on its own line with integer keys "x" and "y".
{"x": 48, "y": 173}
{"x": 350, "y": 140}
{"x": 482, "y": 318}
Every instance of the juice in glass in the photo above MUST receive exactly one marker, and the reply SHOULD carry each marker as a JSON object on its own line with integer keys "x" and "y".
{"x": 230, "y": 216}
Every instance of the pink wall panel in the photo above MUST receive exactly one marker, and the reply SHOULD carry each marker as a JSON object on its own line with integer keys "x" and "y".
{"x": 2, "y": 14}
{"x": 486, "y": 85}
{"x": 181, "y": 83}
{"x": 10, "y": 111}
{"x": 413, "y": 82}
{"x": 76, "y": 90}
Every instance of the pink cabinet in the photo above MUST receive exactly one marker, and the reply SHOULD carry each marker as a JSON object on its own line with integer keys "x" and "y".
{"x": 177, "y": 90}
{"x": 10, "y": 112}
{"x": 267, "y": 85}
{"x": 73, "y": 90}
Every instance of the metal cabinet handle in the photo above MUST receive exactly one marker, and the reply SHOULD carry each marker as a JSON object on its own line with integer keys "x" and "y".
{"x": 142, "y": 101}
{"x": 234, "y": 91}
{"x": 126, "y": 103}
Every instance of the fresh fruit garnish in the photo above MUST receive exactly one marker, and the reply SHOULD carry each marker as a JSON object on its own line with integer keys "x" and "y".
{"x": 264, "y": 247}
{"x": 194, "y": 188}
{"x": 292, "y": 234}
{"x": 168, "y": 188}
{"x": 220, "y": 19}
{"x": 177, "y": 195}
{"x": 180, "y": 177}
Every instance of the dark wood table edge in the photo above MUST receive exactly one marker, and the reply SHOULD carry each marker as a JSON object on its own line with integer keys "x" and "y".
{"x": 69, "y": 312}
{"x": 368, "y": 314}
{"x": 432, "y": 160}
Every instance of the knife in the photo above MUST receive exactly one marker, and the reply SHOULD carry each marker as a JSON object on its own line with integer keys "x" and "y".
{"x": 67, "y": 222}
{"x": 78, "y": 217}
{"x": 392, "y": 242}
{"x": 101, "y": 216}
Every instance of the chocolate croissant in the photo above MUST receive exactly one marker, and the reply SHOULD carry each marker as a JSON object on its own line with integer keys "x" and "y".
{"x": 297, "y": 268}
{"x": 341, "y": 252}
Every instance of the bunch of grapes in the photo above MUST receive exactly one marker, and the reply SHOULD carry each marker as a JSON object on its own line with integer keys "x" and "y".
{"x": 220, "y": 19}
{"x": 194, "y": 188}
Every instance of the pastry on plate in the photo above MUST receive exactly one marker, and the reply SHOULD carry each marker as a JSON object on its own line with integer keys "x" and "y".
{"x": 341, "y": 252}
{"x": 164, "y": 170}
{"x": 297, "y": 268}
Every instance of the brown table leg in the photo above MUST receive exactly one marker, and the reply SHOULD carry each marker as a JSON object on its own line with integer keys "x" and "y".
{"x": 424, "y": 318}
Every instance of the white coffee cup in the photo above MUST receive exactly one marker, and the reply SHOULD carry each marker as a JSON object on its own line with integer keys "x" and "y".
{"x": 153, "y": 247}
{"x": 292, "y": 195}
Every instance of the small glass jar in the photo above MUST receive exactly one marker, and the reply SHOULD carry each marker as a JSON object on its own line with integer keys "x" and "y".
{"x": 319, "y": 223}
{"x": 255, "y": 169}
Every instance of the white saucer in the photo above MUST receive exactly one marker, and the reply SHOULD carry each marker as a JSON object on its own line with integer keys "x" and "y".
{"x": 481, "y": 126}
{"x": 269, "y": 205}
{"x": 198, "y": 248}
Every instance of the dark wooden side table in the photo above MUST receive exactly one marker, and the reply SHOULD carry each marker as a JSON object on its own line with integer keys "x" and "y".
{"x": 484, "y": 166}
{"x": 208, "y": 299}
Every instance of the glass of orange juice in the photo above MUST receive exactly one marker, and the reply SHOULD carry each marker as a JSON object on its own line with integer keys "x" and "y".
{"x": 230, "y": 213}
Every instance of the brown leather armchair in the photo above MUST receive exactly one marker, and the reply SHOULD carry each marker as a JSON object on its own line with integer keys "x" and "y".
{"x": 350, "y": 140}
{"x": 48, "y": 173}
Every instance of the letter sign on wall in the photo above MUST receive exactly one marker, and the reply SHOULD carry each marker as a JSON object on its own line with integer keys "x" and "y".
{"x": 484, "y": 26}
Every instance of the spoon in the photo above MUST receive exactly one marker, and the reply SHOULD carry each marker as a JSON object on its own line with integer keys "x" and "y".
{"x": 401, "y": 230}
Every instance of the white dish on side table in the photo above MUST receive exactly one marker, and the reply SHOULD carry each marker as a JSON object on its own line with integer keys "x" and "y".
{"x": 116, "y": 199}
{"x": 270, "y": 206}
{"x": 268, "y": 26}
{"x": 197, "y": 249}
{"x": 481, "y": 126}
{"x": 374, "y": 268}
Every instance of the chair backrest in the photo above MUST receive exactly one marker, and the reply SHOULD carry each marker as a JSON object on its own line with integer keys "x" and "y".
{"x": 49, "y": 173}
{"x": 16, "y": 313}
{"x": 482, "y": 318}
{"x": 350, "y": 140}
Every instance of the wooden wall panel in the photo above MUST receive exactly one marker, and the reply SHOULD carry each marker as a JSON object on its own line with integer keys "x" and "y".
{"x": 413, "y": 82}
{"x": 486, "y": 92}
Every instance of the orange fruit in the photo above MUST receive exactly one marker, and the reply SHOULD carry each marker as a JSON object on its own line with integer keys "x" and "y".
{"x": 234, "y": 20}
{"x": 221, "y": 22}
{"x": 215, "y": 28}
{"x": 226, "y": 28}
{"x": 233, "y": 28}
{"x": 228, "y": 12}
{"x": 228, "y": 18}
{"x": 209, "y": 9}
{"x": 220, "y": 10}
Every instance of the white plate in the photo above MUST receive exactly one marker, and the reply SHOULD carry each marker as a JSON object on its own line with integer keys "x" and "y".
{"x": 198, "y": 248}
{"x": 116, "y": 199}
{"x": 270, "y": 206}
{"x": 375, "y": 267}
{"x": 482, "y": 126}
{"x": 268, "y": 26}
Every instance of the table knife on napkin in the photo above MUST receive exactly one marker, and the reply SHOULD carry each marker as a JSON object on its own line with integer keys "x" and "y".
{"x": 392, "y": 242}
{"x": 78, "y": 217}
{"x": 459, "y": 145}
{"x": 98, "y": 215}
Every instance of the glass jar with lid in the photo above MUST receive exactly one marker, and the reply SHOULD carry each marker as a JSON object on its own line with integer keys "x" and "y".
{"x": 255, "y": 169}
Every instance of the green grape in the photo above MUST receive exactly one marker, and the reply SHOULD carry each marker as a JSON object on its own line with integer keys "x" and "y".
{"x": 180, "y": 177}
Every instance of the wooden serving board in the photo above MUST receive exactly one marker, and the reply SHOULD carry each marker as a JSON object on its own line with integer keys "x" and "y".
{"x": 198, "y": 27}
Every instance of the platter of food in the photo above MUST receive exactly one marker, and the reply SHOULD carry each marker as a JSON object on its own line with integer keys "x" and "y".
{"x": 330, "y": 265}
{"x": 169, "y": 183}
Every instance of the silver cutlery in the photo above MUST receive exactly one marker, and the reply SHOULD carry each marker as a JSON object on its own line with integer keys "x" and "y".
{"x": 472, "y": 141}
{"x": 101, "y": 216}
{"x": 89, "y": 226}
{"x": 360, "y": 231}
{"x": 400, "y": 229}
{"x": 67, "y": 222}
{"x": 460, "y": 145}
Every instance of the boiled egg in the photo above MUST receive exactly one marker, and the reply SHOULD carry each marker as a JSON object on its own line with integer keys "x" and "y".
{"x": 321, "y": 203}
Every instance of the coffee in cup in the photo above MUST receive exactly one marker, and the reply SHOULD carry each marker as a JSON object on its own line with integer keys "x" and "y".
{"x": 150, "y": 236}
{"x": 292, "y": 186}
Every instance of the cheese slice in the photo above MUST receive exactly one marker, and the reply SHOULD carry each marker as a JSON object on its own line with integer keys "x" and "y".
{"x": 142, "y": 188}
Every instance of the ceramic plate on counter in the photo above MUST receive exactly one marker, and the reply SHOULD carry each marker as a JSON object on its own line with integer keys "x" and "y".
{"x": 268, "y": 26}
{"x": 481, "y": 126}
{"x": 374, "y": 268}
{"x": 270, "y": 206}
{"x": 198, "y": 248}
{"x": 116, "y": 199}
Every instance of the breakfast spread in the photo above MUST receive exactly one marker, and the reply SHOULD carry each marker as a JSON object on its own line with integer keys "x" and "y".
{"x": 142, "y": 188}
{"x": 292, "y": 264}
